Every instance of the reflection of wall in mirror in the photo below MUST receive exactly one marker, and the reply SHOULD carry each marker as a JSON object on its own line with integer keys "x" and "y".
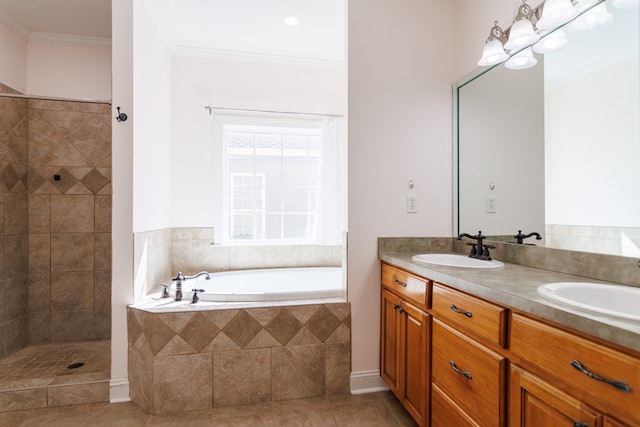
{"x": 593, "y": 160}
{"x": 501, "y": 137}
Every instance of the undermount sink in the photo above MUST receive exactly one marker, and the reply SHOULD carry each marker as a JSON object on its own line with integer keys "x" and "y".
{"x": 452, "y": 260}
{"x": 613, "y": 300}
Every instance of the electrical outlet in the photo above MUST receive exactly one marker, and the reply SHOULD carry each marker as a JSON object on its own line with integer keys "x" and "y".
{"x": 412, "y": 204}
{"x": 491, "y": 204}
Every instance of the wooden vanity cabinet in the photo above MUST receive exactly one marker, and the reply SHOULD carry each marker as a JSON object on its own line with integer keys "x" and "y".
{"x": 405, "y": 340}
{"x": 590, "y": 374}
{"x": 535, "y": 403}
{"x": 454, "y": 359}
{"x": 466, "y": 368}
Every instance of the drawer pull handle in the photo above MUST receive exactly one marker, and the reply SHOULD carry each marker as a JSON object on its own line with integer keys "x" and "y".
{"x": 460, "y": 371}
{"x": 396, "y": 306}
{"x": 398, "y": 282}
{"x": 457, "y": 310}
{"x": 580, "y": 424}
{"x": 622, "y": 386}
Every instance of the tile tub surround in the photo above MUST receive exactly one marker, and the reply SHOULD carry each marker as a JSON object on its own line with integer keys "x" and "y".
{"x": 160, "y": 254}
{"x": 195, "y": 360}
{"x": 526, "y": 268}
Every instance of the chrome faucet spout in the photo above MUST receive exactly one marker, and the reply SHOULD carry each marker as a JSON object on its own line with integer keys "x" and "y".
{"x": 181, "y": 278}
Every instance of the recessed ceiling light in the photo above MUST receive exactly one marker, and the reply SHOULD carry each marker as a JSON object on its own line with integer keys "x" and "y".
{"x": 291, "y": 20}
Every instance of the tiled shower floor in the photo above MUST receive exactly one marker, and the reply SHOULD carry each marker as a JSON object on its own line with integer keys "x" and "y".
{"x": 40, "y": 376}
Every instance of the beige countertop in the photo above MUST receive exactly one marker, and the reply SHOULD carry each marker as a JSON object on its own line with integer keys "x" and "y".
{"x": 515, "y": 286}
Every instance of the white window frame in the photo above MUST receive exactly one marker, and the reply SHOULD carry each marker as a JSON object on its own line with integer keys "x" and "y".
{"x": 222, "y": 124}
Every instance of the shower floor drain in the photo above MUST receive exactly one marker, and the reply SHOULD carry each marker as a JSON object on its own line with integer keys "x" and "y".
{"x": 75, "y": 365}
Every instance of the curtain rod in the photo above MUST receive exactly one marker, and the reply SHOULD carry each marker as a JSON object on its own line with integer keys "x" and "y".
{"x": 247, "y": 110}
{"x": 53, "y": 98}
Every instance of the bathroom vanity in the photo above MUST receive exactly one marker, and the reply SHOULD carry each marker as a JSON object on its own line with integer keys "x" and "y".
{"x": 472, "y": 347}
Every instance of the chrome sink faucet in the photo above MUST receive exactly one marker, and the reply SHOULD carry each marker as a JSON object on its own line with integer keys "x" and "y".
{"x": 478, "y": 249}
{"x": 180, "y": 279}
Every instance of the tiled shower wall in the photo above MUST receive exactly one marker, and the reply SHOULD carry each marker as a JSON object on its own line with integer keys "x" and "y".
{"x": 69, "y": 221}
{"x": 55, "y": 236}
{"x": 14, "y": 320}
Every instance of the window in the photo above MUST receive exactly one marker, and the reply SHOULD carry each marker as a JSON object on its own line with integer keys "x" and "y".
{"x": 272, "y": 184}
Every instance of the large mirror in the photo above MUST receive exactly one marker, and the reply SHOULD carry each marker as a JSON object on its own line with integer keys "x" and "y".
{"x": 555, "y": 148}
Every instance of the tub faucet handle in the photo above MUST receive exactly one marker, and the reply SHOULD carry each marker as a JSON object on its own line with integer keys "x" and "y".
{"x": 196, "y": 298}
{"x": 165, "y": 291}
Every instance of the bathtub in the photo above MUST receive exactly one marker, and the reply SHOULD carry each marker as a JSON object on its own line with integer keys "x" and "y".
{"x": 273, "y": 284}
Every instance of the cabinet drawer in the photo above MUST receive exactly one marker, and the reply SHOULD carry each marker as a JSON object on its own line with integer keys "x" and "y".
{"x": 478, "y": 316}
{"x": 554, "y": 351}
{"x": 411, "y": 287}
{"x": 471, "y": 375}
{"x": 445, "y": 413}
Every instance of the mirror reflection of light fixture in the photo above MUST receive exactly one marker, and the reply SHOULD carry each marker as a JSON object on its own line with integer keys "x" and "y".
{"x": 626, "y": 4}
{"x": 594, "y": 19}
{"x": 553, "y": 41}
{"x": 556, "y": 13}
{"x": 493, "y": 51}
{"x": 521, "y": 33}
{"x": 521, "y": 60}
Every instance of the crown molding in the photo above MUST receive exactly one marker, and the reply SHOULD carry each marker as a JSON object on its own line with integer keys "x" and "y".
{"x": 70, "y": 40}
{"x": 241, "y": 56}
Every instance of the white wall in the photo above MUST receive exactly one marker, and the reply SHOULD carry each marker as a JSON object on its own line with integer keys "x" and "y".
{"x": 400, "y": 128}
{"x": 152, "y": 119}
{"x": 69, "y": 69}
{"x": 13, "y": 58}
{"x": 122, "y": 199}
{"x": 200, "y": 82}
{"x": 593, "y": 121}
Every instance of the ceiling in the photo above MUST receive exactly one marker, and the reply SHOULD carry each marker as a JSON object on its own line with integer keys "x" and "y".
{"x": 219, "y": 28}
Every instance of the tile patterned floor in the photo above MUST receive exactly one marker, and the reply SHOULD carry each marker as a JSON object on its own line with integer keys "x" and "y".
{"x": 370, "y": 410}
{"x": 39, "y": 376}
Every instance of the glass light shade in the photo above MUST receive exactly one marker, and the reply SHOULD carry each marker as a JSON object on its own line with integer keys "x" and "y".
{"x": 626, "y": 4}
{"x": 556, "y": 13}
{"x": 492, "y": 53}
{"x": 594, "y": 19}
{"x": 553, "y": 41}
{"x": 521, "y": 60}
{"x": 521, "y": 34}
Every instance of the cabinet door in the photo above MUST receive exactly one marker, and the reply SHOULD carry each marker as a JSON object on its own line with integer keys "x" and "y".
{"x": 535, "y": 403}
{"x": 415, "y": 348}
{"x": 390, "y": 341}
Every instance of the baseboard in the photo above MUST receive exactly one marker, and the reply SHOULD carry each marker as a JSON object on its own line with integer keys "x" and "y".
{"x": 119, "y": 390}
{"x": 367, "y": 382}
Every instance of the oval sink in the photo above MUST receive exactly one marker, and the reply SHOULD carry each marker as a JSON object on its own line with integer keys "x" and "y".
{"x": 613, "y": 300}
{"x": 452, "y": 260}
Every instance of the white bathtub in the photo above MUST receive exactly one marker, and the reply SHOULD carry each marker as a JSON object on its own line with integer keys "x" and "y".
{"x": 273, "y": 284}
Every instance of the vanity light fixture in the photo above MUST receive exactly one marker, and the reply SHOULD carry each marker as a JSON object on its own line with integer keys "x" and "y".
{"x": 521, "y": 33}
{"x": 551, "y": 42}
{"x": 521, "y": 60}
{"x": 556, "y": 13}
{"x": 493, "y": 51}
{"x": 594, "y": 19}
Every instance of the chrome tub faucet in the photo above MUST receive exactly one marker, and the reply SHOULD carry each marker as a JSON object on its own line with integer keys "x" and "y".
{"x": 180, "y": 279}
